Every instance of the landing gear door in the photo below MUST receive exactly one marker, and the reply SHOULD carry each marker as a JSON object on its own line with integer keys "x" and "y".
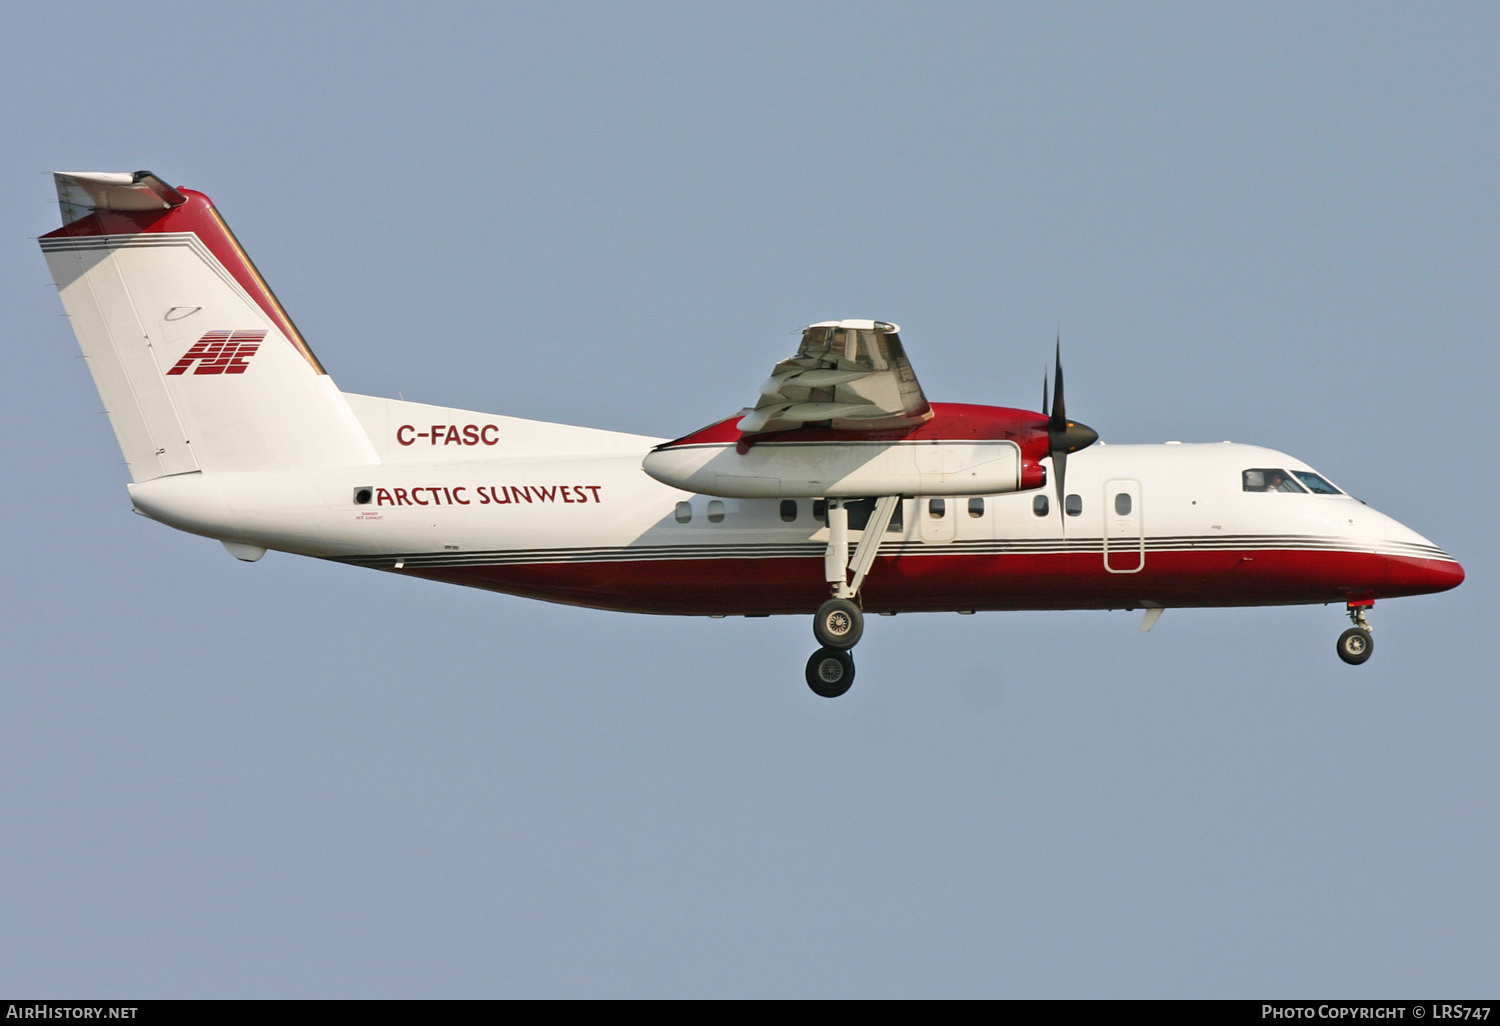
{"x": 1124, "y": 538}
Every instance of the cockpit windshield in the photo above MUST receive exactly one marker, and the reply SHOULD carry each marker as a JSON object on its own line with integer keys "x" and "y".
{"x": 1274, "y": 479}
{"x": 1267, "y": 479}
{"x": 1316, "y": 484}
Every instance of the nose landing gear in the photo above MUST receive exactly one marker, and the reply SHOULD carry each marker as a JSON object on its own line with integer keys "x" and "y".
{"x": 1356, "y": 644}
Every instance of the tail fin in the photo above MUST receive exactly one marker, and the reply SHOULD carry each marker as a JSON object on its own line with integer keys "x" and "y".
{"x": 198, "y": 365}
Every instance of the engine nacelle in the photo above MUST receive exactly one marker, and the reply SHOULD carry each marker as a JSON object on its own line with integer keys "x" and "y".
{"x": 970, "y": 451}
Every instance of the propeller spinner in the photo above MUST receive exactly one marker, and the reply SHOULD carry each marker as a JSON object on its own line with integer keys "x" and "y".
{"x": 1063, "y": 435}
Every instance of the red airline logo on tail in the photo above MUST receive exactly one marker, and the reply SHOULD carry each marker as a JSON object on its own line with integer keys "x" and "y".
{"x": 221, "y": 352}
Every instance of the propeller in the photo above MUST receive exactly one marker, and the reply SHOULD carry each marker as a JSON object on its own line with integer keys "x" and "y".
{"x": 1063, "y": 435}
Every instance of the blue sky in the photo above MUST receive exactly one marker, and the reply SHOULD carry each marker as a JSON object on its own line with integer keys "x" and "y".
{"x": 1271, "y": 223}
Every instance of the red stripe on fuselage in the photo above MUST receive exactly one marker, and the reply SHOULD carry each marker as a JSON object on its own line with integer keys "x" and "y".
{"x": 942, "y": 582}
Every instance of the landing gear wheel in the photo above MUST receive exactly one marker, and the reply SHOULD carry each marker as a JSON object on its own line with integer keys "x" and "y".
{"x": 830, "y": 672}
{"x": 838, "y": 623}
{"x": 1355, "y": 645}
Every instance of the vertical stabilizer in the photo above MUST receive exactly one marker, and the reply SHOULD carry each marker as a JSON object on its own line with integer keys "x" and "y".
{"x": 198, "y": 365}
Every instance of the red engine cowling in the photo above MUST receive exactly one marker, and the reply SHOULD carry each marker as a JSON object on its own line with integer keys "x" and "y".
{"x": 961, "y": 450}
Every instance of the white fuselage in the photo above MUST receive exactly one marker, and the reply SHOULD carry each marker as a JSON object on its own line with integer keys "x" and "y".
{"x": 575, "y": 519}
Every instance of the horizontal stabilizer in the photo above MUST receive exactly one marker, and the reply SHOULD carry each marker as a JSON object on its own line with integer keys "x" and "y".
{"x": 80, "y": 193}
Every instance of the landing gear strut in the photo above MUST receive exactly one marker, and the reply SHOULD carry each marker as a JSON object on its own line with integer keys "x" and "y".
{"x": 1356, "y": 645}
{"x": 839, "y": 622}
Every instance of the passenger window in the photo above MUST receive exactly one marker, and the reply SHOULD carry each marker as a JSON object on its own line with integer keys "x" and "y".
{"x": 789, "y": 510}
{"x": 976, "y": 507}
{"x": 684, "y": 512}
{"x": 937, "y": 508}
{"x": 1039, "y": 505}
{"x": 715, "y": 511}
{"x": 1122, "y": 504}
{"x": 1073, "y": 505}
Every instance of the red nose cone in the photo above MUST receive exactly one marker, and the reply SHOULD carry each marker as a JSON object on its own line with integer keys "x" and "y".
{"x": 1424, "y": 576}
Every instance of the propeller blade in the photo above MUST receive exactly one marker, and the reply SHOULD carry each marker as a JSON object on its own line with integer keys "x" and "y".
{"x": 1064, "y": 436}
{"x": 1059, "y": 421}
{"x": 1060, "y": 465}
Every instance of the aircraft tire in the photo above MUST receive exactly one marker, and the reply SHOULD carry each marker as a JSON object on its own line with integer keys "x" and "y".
{"x": 1355, "y": 645}
{"x": 838, "y": 623}
{"x": 830, "y": 672}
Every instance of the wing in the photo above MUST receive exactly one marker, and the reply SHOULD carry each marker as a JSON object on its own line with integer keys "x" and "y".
{"x": 851, "y": 375}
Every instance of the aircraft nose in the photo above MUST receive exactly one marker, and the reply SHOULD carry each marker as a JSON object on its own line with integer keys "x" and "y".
{"x": 1424, "y": 576}
{"x": 1415, "y": 566}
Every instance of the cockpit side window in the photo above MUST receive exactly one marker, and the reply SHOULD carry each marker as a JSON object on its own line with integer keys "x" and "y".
{"x": 1316, "y": 484}
{"x": 1269, "y": 479}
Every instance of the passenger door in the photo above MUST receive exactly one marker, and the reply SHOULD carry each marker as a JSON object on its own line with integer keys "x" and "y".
{"x": 1124, "y": 538}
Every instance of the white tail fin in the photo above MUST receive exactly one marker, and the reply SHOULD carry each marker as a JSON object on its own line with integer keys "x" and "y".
{"x": 198, "y": 365}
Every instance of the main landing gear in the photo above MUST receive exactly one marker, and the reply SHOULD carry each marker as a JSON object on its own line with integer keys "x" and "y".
{"x": 1356, "y": 645}
{"x": 830, "y": 672}
{"x": 839, "y": 622}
